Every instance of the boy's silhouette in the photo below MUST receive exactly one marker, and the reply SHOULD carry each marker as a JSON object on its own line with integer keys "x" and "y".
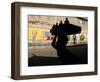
{"x": 60, "y": 41}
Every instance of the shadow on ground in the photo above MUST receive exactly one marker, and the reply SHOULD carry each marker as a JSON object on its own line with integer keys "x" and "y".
{"x": 40, "y": 61}
{"x": 78, "y": 56}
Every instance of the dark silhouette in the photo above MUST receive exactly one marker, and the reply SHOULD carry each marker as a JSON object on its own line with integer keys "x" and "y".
{"x": 60, "y": 41}
{"x": 74, "y": 39}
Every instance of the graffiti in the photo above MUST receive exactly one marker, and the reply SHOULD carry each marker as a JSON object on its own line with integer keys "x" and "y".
{"x": 82, "y": 37}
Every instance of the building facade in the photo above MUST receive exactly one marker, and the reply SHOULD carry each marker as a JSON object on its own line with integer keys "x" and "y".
{"x": 39, "y": 29}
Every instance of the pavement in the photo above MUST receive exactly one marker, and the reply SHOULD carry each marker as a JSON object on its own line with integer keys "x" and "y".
{"x": 47, "y": 55}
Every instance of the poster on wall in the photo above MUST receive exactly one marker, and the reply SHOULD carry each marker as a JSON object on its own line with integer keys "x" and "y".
{"x": 50, "y": 40}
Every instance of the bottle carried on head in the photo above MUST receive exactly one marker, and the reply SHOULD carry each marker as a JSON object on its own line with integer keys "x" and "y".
{"x": 67, "y": 28}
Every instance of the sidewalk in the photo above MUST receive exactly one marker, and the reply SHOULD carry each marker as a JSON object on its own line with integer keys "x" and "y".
{"x": 46, "y": 55}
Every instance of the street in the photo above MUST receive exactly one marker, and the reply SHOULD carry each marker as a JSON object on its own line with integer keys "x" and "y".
{"x": 46, "y": 55}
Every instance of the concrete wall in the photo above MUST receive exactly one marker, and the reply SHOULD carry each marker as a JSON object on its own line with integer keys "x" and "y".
{"x": 46, "y": 23}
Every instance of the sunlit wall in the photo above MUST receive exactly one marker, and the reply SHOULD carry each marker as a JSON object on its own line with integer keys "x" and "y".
{"x": 39, "y": 29}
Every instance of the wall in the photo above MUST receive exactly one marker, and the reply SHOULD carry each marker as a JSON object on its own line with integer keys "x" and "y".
{"x": 5, "y": 40}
